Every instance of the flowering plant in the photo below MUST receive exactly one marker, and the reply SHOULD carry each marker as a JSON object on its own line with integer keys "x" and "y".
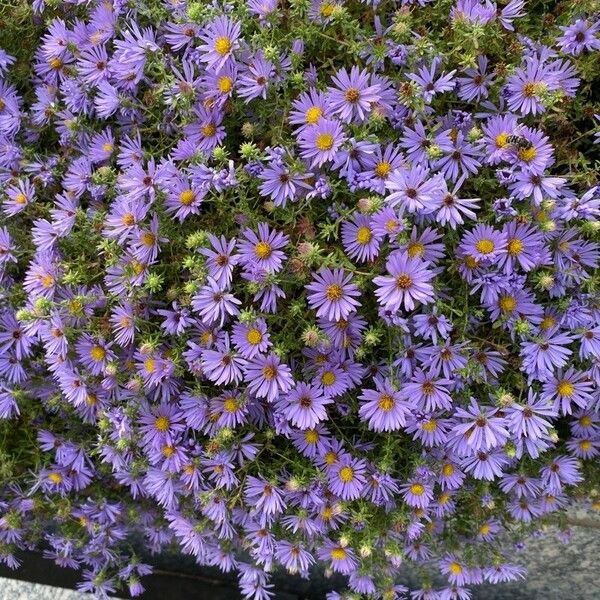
{"x": 286, "y": 282}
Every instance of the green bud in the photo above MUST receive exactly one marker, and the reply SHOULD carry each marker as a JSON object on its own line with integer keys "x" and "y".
{"x": 249, "y": 151}
{"x": 196, "y": 240}
{"x": 220, "y": 154}
{"x": 247, "y": 129}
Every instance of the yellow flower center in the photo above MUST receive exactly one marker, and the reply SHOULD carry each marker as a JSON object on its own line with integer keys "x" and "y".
{"x": 150, "y": 365}
{"x": 55, "y": 477}
{"x": 417, "y": 489}
{"x": 328, "y": 378}
{"x": 346, "y": 474}
{"x": 222, "y": 45}
{"x": 186, "y": 197}
{"x": 501, "y": 139}
{"x": 333, "y": 292}
{"x": 471, "y": 262}
{"x": 430, "y": 425}
{"x": 527, "y": 154}
{"x": 547, "y": 322}
{"x": 386, "y": 402}
{"x": 585, "y": 444}
{"x": 455, "y": 568}
{"x": 485, "y": 246}
{"x": 515, "y": 247}
{"x": 585, "y": 421}
{"x": 448, "y": 470}
{"x": 106, "y": 147}
{"x": 330, "y": 458}
{"x": 254, "y": 336}
{"x": 338, "y": 553}
{"x": 225, "y": 84}
{"x": 128, "y": 219}
{"x": 403, "y": 281}
{"x": 55, "y": 63}
{"x": 168, "y": 451}
{"x": 324, "y": 141}
{"x": 507, "y": 303}
{"x": 415, "y": 249}
{"x": 529, "y": 89}
{"x": 209, "y": 130}
{"x": 485, "y": 529}
{"x": 312, "y": 115}
{"x": 311, "y": 436}
{"x": 21, "y": 198}
{"x": 148, "y": 239}
{"x": 263, "y": 250}
{"x": 162, "y": 423}
{"x": 443, "y": 499}
{"x": 326, "y": 9}
{"x": 97, "y": 353}
{"x": 363, "y": 235}
{"x": 47, "y": 281}
{"x": 391, "y": 225}
{"x": 91, "y": 399}
{"x": 383, "y": 169}
{"x": 230, "y": 405}
{"x": 352, "y": 95}
{"x": 565, "y": 388}
{"x": 269, "y": 372}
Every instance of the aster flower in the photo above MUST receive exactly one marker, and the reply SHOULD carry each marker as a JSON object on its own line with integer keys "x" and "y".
{"x": 484, "y": 243}
{"x": 251, "y": 339}
{"x": 263, "y": 249}
{"x": 221, "y": 259}
{"x": 480, "y": 427}
{"x": 304, "y": 406}
{"x": 383, "y": 408}
{"x": 320, "y": 143}
{"x": 360, "y": 241}
{"x": 309, "y": 108}
{"x": 332, "y": 294}
{"x": 562, "y": 470}
{"x": 412, "y": 190}
{"x": 352, "y": 96}
{"x": 579, "y": 36}
{"x": 267, "y": 377}
{"x": 568, "y": 388}
{"x": 341, "y": 558}
{"x": 347, "y": 478}
{"x": 427, "y": 392}
{"x": 485, "y": 465}
{"x": 220, "y": 39}
{"x": 407, "y": 282}
{"x": 417, "y": 493}
{"x": 214, "y": 304}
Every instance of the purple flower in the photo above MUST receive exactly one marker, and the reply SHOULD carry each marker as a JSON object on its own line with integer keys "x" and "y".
{"x": 352, "y": 96}
{"x": 359, "y": 239}
{"x": 332, "y": 294}
{"x": 263, "y": 250}
{"x": 220, "y": 40}
{"x": 321, "y": 143}
{"x": 480, "y": 429}
{"x": 214, "y": 304}
{"x": 304, "y": 406}
{"x": 383, "y": 408}
{"x": 347, "y": 477}
{"x": 268, "y": 377}
{"x": 579, "y": 36}
{"x": 408, "y": 282}
{"x": 341, "y": 558}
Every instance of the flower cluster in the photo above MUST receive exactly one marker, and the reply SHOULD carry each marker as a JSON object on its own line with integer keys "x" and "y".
{"x": 298, "y": 284}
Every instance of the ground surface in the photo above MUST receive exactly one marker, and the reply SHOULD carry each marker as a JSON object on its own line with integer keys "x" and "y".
{"x": 557, "y": 571}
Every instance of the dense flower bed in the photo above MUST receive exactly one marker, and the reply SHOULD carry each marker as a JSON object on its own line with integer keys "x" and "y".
{"x": 292, "y": 282}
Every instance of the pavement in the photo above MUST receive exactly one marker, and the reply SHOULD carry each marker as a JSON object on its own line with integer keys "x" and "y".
{"x": 557, "y": 571}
